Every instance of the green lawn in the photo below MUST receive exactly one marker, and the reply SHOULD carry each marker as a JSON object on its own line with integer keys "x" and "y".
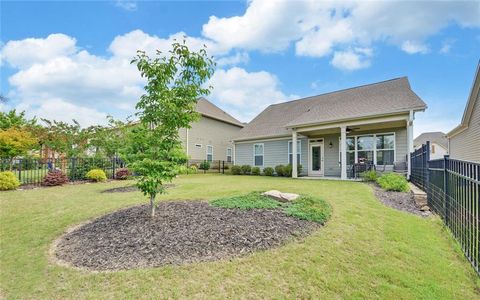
{"x": 366, "y": 250}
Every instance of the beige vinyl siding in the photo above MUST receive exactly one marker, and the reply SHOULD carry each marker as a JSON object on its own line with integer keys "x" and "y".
{"x": 466, "y": 144}
{"x": 208, "y": 131}
{"x": 275, "y": 153}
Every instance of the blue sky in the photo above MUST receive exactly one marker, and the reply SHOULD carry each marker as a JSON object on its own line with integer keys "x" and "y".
{"x": 64, "y": 60}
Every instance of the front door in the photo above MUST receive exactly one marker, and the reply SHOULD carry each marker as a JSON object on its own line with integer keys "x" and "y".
{"x": 316, "y": 158}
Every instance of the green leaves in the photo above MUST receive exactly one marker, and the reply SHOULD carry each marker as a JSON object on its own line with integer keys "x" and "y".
{"x": 174, "y": 83}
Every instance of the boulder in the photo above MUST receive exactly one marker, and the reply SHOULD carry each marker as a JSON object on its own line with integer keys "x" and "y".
{"x": 279, "y": 196}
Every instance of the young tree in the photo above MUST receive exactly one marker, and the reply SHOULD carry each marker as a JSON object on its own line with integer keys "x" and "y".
{"x": 68, "y": 139}
{"x": 15, "y": 142}
{"x": 17, "y": 120}
{"x": 174, "y": 83}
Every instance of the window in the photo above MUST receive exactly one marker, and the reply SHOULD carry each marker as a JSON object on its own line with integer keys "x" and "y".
{"x": 365, "y": 148}
{"x": 375, "y": 148}
{"x": 229, "y": 154}
{"x": 209, "y": 153}
{"x": 299, "y": 152}
{"x": 258, "y": 154}
{"x": 433, "y": 149}
{"x": 385, "y": 149}
{"x": 198, "y": 145}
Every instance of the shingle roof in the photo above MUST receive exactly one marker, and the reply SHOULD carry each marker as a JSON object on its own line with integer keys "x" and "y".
{"x": 208, "y": 109}
{"x": 439, "y": 138}
{"x": 391, "y": 96}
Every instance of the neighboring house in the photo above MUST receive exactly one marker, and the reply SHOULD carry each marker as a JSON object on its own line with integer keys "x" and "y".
{"x": 438, "y": 143}
{"x": 210, "y": 138}
{"x": 464, "y": 140}
{"x": 329, "y": 133}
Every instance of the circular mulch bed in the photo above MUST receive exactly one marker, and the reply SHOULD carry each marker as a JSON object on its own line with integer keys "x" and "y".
{"x": 181, "y": 232}
{"x": 132, "y": 188}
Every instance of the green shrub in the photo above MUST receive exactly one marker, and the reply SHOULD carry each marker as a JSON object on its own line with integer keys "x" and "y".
{"x": 96, "y": 175}
{"x": 310, "y": 209}
{"x": 268, "y": 171}
{"x": 204, "y": 165}
{"x": 8, "y": 181}
{"x": 236, "y": 170}
{"x": 192, "y": 170}
{"x": 255, "y": 171}
{"x": 393, "y": 182}
{"x": 254, "y": 200}
{"x": 280, "y": 170}
{"x": 369, "y": 175}
{"x": 287, "y": 170}
{"x": 246, "y": 169}
{"x": 55, "y": 177}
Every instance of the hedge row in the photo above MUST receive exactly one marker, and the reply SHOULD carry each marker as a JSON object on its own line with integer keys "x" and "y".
{"x": 280, "y": 170}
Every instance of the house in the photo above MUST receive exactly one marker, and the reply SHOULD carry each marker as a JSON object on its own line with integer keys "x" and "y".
{"x": 210, "y": 138}
{"x": 438, "y": 143}
{"x": 464, "y": 140}
{"x": 330, "y": 133}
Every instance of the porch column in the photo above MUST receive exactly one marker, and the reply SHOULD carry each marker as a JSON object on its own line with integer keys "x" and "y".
{"x": 294, "y": 154}
{"x": 343, "y": 150}
{"x": 409, "y": 142}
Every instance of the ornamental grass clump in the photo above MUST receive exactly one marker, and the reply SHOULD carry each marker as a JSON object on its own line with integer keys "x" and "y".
{"x": 54, "y": 178}
{"x": 393, "y": 182}
{"x": 96, "y": 175}
{"x": 8, "y": 181}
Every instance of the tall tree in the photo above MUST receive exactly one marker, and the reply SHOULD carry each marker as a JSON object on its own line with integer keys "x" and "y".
{"x": 174, "y": 83}
{"x": 15, "y": 119}
{"x": 15, "y": 142}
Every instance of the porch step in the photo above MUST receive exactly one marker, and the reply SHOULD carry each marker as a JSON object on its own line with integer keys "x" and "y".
{"x": 419, "y": 196}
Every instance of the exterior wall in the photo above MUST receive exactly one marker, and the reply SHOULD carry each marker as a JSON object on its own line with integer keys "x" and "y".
{"x": 466, "y": 144}
{"x": 276, "y": 152}
{"x": 440, "y": 152}
{"x": 212, "y": 132}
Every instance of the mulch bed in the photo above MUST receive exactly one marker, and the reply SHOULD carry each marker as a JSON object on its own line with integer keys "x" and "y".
{"x": 398, "y": 200}
{"x": 131, "y": 188}
{"x": 181, "y": 232}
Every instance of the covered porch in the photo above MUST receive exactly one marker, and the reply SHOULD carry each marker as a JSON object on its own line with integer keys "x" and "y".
{"x": 342, "y": 150}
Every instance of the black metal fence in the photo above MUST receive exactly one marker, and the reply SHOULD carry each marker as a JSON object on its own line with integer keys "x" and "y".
{"x": 214, "y": 166}
{"x": 419, "y": 159}
{"x": 453, "y": 192}
{"x": 30, "y": 171}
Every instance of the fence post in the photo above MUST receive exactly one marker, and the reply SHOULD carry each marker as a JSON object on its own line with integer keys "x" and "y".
{"x": 223, "y": 167}
{"x": 114, "y": 166}
{"x": 219, "y": 166}
{"x": 20, "y": 170}
{"x": 427, "y": 172}
{"x": 445, "y": 189}
{"x": 204, "y": 166}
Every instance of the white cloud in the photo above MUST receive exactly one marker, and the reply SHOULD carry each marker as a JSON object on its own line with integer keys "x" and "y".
{"x": 414, "y": 47}
{"x": 126, "y": 5}
{"x": 446, "y": 46}
{"x": 350, "y": 60}
{"x": 236, "y": 59}
{"x": 245, "y": 94}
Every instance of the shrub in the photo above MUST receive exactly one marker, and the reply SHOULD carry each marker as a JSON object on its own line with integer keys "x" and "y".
{"x": 287, "y": 170}
{"x": 268, "y": 171}
{"x": 55, "y": 177}
{"x": 8, "y": 181}
{"x": 122, "y": 174}
{"x": 253, "y": 200}
{"x": 192, "y": 170}
{"x": 236, "y": 170}
{"x": 246, "y": 169}
{"x": 204, "y": 165}
{"x": 255, "y": 171}
{"x": 280, "y": 170}
{"x": 393, "y": 182}
{"x": 369, "y": 175}
{"x": 96, "y": 175}
{"x": 310, "y": 209}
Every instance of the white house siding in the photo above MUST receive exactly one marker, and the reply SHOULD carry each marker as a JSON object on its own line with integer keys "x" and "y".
{"x": 466, "y": 144}
{"x": 208, "y": 131}
{"x": 437, "y": 151}
{"x": 275, "y": 152}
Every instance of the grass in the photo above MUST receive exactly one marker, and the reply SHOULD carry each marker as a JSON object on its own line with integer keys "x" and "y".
{"x": 366, "y": 250}
{"x": 306, "y": 207}
{"x": 253, "y": 200}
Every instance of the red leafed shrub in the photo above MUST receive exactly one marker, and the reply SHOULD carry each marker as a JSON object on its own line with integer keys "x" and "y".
{"x": 122, "y": 174}
{"x": 55, "y": 177}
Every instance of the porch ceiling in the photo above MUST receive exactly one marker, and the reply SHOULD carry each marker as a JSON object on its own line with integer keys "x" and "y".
{"x": 355, "y": 129}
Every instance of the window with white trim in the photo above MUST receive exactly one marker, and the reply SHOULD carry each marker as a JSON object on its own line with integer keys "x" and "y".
{"x": 258, "y": 154}
{"x": 229, "y": 154}
{"x": 299, "y": 152}
{"x": 376, "y": 148}
{"x": 385, "y": 149}
{"x": 209, "y": 153}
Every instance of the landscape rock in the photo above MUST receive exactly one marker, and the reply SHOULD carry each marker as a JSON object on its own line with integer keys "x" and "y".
{"x": 282, "y": 197}
{"x": 425, "y": 208}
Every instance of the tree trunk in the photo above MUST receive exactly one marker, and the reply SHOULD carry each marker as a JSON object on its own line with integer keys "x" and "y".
{"x": 152, "y": 205}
